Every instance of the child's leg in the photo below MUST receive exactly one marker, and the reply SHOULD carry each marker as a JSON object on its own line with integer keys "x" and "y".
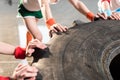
{"x": 28, "y": 37}
{"x": 31, "y": 24}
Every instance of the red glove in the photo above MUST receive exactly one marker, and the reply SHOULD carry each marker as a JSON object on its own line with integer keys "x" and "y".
{"x": 4, "y": 78}
{"x": 19, "y": 53}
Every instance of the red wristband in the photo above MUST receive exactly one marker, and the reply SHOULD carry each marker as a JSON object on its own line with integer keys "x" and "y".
{"x": 19, "y": 53}
{"x": 4, "y": 78}
{"x": 50, "y": 22}
{"x": 90, "y": 16}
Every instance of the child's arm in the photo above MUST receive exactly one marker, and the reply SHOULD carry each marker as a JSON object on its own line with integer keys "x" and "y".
{"x": 50, "y": 21}
{"x": 80, "y": 6}
{"x": 8, "y": 49}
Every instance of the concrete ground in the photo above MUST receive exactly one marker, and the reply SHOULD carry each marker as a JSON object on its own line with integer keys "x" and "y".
{"x": 63, "y": 12}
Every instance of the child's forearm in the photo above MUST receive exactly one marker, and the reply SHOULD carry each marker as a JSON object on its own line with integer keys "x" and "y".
{"x": 6, "y": 49}
{"x": 82, "y": 8}
{"x": 47, "y": 14}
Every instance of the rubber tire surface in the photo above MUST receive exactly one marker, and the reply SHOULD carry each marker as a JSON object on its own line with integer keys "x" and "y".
{"x": 84, "y": 52}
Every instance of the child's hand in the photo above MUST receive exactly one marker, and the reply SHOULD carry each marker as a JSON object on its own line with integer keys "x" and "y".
{"x": 57, "y": 28}
{"x": 24, "y": 71}
{"x": 115, "y": 16}
{"x": 34, "y": 44}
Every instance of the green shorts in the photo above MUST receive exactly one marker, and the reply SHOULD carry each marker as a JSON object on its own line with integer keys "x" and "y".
{"x": 24, "y": 12}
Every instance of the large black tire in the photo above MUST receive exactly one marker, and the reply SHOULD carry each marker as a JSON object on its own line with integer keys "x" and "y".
{"x": 87, "y": 51}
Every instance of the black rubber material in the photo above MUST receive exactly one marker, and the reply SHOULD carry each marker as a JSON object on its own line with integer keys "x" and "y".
{"x": 86, "y": 52}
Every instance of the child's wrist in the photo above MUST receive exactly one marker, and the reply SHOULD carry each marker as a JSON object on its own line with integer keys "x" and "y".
{"x": 50, "y": 22}
{"x": 20, "y": 53}
{"x": 90, "y": 16}
{"x": 5, "y": 78}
